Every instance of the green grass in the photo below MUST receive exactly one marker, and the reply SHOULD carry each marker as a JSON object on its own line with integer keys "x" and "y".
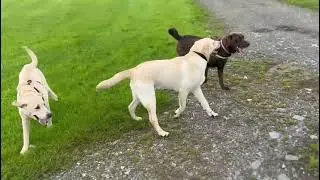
{"x": 79, "y": 43}
{"x": 312, "y": 157}
{"x": 310, "y": 4}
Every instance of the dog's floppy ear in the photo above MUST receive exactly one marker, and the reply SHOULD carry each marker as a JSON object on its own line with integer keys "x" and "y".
{"x": 15, "y": 103}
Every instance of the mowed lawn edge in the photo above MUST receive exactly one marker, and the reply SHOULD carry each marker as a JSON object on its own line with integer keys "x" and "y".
{"x": 80, "y": 43}
{"x": 309, "y": 4}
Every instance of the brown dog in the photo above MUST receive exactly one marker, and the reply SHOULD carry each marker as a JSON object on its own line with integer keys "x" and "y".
{"x": 230, "y": 44}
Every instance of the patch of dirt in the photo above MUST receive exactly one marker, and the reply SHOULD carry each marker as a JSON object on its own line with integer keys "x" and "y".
{"x": 297, "y": 29}
{"x": 287, "y": 28}
{"x": 262, "y": 30}
{"x": 199, "y": 147}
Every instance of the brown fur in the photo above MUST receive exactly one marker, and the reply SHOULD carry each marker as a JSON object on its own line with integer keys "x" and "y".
{"x": 231, "y": 43}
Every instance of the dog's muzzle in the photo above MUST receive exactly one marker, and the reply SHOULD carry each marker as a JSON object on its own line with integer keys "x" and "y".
{"x": 44, "y": 121}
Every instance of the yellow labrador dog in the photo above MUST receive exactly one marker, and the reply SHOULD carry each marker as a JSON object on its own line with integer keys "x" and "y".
{"x": 184, "y": 74}
{"x": 32, "y": 98}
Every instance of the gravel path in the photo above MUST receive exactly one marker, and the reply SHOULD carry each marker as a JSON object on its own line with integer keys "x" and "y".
{"x": 274, "y": 29}
{"x": 265, "y": 121}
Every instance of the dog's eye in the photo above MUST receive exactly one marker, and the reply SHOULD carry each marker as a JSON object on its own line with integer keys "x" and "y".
{"x": 23, "y": 105}
{"x": 38, "y": 107}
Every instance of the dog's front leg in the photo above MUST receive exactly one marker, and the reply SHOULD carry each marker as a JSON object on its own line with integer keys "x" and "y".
{"x": 183, "y": 94}
{"x": 220, "y": 74}
{"x": 206, "y": 75}
{"x": 26, "y": 133}
{"x": 204, "y": 103}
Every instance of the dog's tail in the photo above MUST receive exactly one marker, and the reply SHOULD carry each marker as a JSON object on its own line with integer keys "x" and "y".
{"x": 33, "y": 57}
{"x": 174, "y": 33}
{"x": 114, "y": 80}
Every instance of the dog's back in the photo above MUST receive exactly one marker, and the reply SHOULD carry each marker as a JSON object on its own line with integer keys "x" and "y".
{"x": 184, "y": 42}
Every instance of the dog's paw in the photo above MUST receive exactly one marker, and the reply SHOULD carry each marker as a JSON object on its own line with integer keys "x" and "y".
{"x": 225, "y": 88}
{"x": 212, "y": 114}
{"x": 163, "y": 133}
{"x": 23, "y": 150}
{"x": 177, "y": 113}
{"x": 138, "y": 118}
{"x": 176, "y": 116}
{"x": 55, "y": 98}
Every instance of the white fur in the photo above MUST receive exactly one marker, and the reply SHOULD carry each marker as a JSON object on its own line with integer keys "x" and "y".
{"x": 184, "y": 74}
{"x": 28, "y": 98}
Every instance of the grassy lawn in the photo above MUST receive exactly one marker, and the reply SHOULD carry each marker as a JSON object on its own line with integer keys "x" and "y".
{"x": 78, "y": 44}
{"x": 310, "y": 4}
{"x": 311, "y": 155}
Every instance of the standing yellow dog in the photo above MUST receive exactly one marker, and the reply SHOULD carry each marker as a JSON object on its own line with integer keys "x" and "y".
{"x": 184, "y": 74}
{"x": 33, "y": 98}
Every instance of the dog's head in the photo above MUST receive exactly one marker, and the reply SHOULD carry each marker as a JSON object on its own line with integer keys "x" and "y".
{"x": 206, "y": 46}
{"x": 235, "y": 42}
{"x": 34, "y": 107}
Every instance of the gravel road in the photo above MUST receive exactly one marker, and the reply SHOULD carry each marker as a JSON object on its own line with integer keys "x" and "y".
{"x": 274, "y": 29}
{"x": 265, "y": 122}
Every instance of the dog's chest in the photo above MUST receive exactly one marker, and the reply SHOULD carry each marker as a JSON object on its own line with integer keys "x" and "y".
{"x": 195, "y": 76}
{"x": 215, "y": 61}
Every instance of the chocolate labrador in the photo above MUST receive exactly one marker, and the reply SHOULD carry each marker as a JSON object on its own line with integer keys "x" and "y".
{"x": 230, "y": 44}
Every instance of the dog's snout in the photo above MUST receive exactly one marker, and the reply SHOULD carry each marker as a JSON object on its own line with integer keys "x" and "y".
{"x": 49, "y": 115}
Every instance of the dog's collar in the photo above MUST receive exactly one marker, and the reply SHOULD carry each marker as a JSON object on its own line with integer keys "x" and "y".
{"x": 221, "y": 57}
{"x": 201, "y": 55}
{"x": 223, "y": 47}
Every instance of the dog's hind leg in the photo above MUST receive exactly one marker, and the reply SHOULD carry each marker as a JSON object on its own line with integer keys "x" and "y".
{"x": 154, "y": 119}
{"x": 50, "y": 91}
{"x": 204, "y": 103}
{"x": 183, "y": 94}
{"x": 146, "y": 95}
{"x": 132, "y": 107}
{"x": 26, "y": 133}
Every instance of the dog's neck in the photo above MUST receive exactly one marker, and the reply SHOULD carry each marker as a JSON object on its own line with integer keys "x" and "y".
{"x": 201, "y": 55}
{"x": 204, "y": 46}
{"x": 223, "y": 52}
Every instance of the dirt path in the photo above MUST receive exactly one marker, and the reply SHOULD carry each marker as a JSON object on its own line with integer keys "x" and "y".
{"x": 270, "y": 113}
